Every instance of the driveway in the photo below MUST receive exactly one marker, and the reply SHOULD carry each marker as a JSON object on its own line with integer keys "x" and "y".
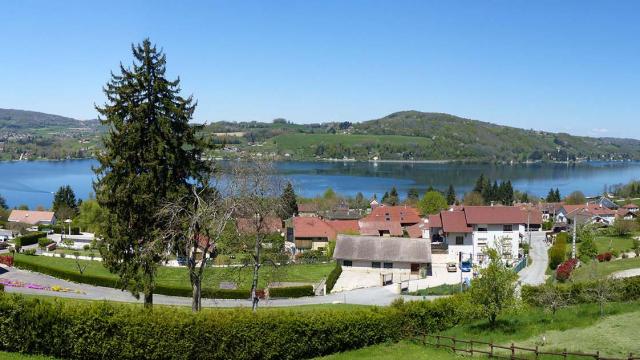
{"x": 626, "y": 273}
{"x": 380, "y": 296}
{"x": 535, "y": 273}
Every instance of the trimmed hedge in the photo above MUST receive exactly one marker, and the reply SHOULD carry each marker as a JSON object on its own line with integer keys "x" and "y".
{"x": 291, "y": 291}
{"x": 207, "y": 293}
{"x": 29, "y": 239}
{"x": 103, "y": 330}
{"x": 333, "y": 277}
{"x": 625, "y": 289}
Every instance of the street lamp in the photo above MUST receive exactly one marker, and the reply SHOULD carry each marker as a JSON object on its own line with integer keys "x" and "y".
{"x": 69, "y": 221}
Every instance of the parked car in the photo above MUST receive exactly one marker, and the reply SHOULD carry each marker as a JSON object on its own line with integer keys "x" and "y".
{"x": 452, "y": 267}
{"x": 465, "y": 266}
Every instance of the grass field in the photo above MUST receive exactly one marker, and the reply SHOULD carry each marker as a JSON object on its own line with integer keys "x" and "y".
{"x": 608, "y": 243}
{"x": 18, "y": 356}
{"x": 602, "y": 269}
{"x": 445, "y": 289}
{"x": 577, "y": 328}
{"x": 170, "y": 276}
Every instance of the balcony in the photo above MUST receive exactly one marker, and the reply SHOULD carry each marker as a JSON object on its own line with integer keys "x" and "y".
{"x": 439, "y": 248}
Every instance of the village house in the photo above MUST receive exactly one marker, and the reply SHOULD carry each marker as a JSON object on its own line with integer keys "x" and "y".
{"x": 382, "y": 260}
{"x": 32, "y": 217}
{"x": 465, "y": 234}
{"x": 588, "y": 213}
{"x": 628, "y": 212}
{"x": 389, "y": 220}
{"x": 549, "y": 210}
{"x": 313, "y": 233}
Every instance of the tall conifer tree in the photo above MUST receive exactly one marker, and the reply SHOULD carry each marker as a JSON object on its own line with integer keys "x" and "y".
{"x": 151, "y": 154}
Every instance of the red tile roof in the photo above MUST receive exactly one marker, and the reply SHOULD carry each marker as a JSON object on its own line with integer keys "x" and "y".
{"x": 31, "y": 217}
{"x": 376, "y": 227}
{"x": 415, "y": 231}
{"x": 246, "y": 226}
{"x": 501, "y": 215}
{"x": 400, "y": 214}
{"x": 593, "y": 209}
{"x": 454, "y": 222}
{"x": 344, "y": 226}
{"x": 312, "y": 227}
{"x": 631, "y": 206}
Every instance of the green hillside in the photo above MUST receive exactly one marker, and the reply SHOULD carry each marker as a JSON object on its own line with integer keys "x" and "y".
{"x": 413, "y": 135}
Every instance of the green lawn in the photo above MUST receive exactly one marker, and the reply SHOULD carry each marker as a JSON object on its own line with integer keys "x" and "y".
{"x": 445, "y": 289}
{"x": 179, "y": 277}
{"x": 18, "y": 356}
{"x": 608, "y": 243}
{"x": 405, "y": 350}
{"x": 577, "y": 328}
{"x": 601, "y": 269}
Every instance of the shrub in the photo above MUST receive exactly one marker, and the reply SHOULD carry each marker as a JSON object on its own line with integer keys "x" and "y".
{"x": 61, "y": 328}
{"x": 6, "y": 260}
{"x": 333, "y": 277}
{"x": 625, "y": 289}
{"x": 29, "y": 239}
{"x": 43, "y": 242}
{"x": 30, "y": 252}
{"x": 558, "y": 252}
{"x": 291, "y": 292}
{"x": 615, "y": 253}
{"x": 604, "y": 257}
{"x": 563, "y": 272}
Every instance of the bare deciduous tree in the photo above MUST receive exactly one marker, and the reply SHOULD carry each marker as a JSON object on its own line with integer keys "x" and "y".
{"x": 259, "y": 200}
{"x": 552, "y": 299}
{"x": 195, "y": 224}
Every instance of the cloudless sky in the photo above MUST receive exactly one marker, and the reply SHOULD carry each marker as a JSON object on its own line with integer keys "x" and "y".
{"x": 571, "y": 66}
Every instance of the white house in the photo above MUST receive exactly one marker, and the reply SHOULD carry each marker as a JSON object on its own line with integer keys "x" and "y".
{"x": 392, "y": 258}
{"x": 465, "y": 233}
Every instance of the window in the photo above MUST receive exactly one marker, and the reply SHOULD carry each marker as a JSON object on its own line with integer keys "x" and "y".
{"x": 347, "y": 263}
{"x": 459, "y": 240}
{"x": 388, "y": 265}
{"x": 507, "y": 228}
{"x": 482, "y": 228}
{"x": 375, "y": 264}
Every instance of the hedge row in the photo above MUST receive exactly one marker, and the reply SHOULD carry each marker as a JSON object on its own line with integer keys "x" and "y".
{"x": 102, "y": 330}
{"x": 333, "y": 277}
{"x": 625, "y": 289}
{"x": 29, "y": 239}
{"x": 59, "y": 229}
{"x": 208, "y": 293}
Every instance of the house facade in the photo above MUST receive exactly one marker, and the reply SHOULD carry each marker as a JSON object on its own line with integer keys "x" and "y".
{"x": 465, "y": 234}
{"x": 389, "y": 259}
{"x": 587, "y": 213}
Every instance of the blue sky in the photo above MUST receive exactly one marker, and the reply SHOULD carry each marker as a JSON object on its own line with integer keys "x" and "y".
{"x": 570, "y": 66}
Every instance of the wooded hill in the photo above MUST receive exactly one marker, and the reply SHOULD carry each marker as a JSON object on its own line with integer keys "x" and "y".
{"x": 406, "y": 135}
{"x": 413, "y": 135}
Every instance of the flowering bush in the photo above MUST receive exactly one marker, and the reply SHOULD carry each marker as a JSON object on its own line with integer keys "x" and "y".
{"x": 7, "y": 260}
{"x": 564, "y": 270}
{"x": 604, "y": 257}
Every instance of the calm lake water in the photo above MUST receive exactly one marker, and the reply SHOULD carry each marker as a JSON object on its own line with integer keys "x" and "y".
{"x": 33, "y": 183}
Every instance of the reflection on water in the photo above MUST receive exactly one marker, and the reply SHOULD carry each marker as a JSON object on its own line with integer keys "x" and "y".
{"x": 33, "y": 183}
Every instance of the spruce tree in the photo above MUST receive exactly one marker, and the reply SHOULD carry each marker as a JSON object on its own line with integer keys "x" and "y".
{"x": 451, "y": 195}
{"x": 557, "y": 197}
{"x": 151, "y": 154}
{"x": 3, "y": 203}
{"x": 64, "y": 203}
{"x": 508, "y": 194}
{"x": 413, "y": 195}
{"x": 551, "y": 196}
{"x": 289, "y": 206}
{"x": 479, "y": 187}
{"x": 393, "y": 197}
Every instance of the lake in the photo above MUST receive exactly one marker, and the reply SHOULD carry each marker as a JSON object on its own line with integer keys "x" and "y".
{"x": 33, "y": 183}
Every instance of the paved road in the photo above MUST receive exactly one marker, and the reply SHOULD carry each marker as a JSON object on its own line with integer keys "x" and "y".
{"x": 626, "y": 273}
{"x": 534, "y": 274}
{"x": 381, "y": 296}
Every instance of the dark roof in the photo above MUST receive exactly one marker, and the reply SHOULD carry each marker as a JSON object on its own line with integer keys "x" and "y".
{"x": 375, "y": 248}
{"x": 454, "y": 222}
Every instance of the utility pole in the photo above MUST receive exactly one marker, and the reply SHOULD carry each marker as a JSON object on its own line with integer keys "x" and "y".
{"x": 575, "y": 230}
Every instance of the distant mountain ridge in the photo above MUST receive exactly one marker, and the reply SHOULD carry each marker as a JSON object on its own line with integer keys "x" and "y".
{"x": 404, "y": 135}
{"x": 17, "y": 120}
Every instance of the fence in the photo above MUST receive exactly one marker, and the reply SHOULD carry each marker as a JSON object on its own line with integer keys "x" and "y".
{"x": 521, "y": 264}
{"x": 475, "y": 347}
